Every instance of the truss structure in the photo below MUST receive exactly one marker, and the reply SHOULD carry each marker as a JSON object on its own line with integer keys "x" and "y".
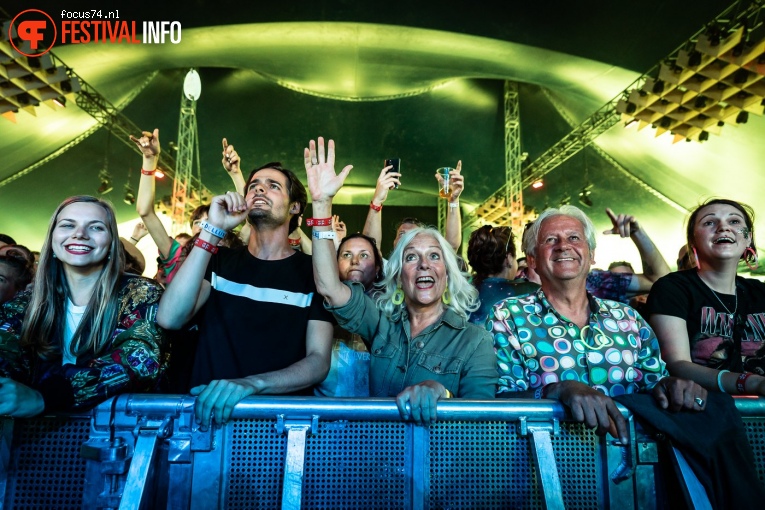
{"x": 187, "y": 195}
{"x": 744, "y": 14}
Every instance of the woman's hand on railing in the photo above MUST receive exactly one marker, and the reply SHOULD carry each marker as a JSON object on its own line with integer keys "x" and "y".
{"x": 418, "y": 402}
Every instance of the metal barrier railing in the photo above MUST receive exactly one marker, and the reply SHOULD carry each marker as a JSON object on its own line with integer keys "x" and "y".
{"x": 146, "y": 451}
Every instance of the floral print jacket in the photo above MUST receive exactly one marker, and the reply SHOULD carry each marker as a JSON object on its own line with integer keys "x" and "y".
{"x": 134, "y": 361}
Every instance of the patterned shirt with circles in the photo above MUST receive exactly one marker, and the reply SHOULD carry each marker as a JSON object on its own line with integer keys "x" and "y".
{"x": 616, "y": 353}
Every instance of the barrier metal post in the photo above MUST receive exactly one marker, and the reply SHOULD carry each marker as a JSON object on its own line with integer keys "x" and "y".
{"x": 544, "y": 461}
{"x": 6, "y": 441}
{"x": 294, "y": 462}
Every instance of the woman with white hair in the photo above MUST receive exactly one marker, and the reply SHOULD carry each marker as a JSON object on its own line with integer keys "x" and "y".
{"x": 423, "y": 349}
{"x": 86, "y": 331}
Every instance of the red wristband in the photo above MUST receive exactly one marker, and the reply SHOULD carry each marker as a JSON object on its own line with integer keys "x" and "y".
{"x": 319, "y": 222}
{"x": 147, "y": 172}
{"x": 374, "y": 207}
{"x": 741, "y": 382}
{"x": 294, "y": 242}
{"x": 205, "y": 246}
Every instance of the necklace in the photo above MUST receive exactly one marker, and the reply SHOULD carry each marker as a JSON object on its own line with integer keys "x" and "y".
{"x": 730, "y": 314}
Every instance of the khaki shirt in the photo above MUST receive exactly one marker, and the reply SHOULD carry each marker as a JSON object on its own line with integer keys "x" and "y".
{"x": 451, "y": 351}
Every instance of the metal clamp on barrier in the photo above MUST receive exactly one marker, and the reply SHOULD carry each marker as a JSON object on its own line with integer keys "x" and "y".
{"x": 294, "y": 463}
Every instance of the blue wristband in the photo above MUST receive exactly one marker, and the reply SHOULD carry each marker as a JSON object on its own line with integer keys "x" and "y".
{"x": 217, "y": 232}
{"x": 324, "y": 234}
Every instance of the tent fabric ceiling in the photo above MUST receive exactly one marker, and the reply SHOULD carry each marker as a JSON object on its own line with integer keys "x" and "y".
{"x": 422, "y": 81}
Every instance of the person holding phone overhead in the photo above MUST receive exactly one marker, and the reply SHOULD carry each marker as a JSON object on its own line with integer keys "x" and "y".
{"x": 390, "y": 179}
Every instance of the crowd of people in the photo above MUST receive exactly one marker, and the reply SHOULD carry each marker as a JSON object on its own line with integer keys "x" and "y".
{"x": 270, "y": 310}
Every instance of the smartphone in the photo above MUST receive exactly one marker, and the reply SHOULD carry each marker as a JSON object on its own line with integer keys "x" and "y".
{"x": 396, "y": 163}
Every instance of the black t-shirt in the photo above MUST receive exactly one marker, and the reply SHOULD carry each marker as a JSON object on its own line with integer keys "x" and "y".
{"x": 710, "y": 327}
{"x": 256, "y": 317}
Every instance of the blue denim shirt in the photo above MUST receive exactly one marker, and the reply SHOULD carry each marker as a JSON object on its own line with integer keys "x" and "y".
{"x": 451, "y": 351}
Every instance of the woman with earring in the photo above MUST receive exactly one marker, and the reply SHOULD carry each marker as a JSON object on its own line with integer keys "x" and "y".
{"x": 87, "y": 330}
{"x": 491, "y": 253}
{"x": 358, "y": 260}
{"x": 710, "y": 322}
{"x": 423, "y": 349}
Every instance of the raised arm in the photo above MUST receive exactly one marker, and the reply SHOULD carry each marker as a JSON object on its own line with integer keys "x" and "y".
{"x": 385, "y": 182}
{"x": 148, "y": 144}
{"x": 323, "y": 184}
{"x": 233, "y": 165}
{"x": 189, "y": 290}
{"x": 453, "y": 233}
{"x": 654, "y": 265}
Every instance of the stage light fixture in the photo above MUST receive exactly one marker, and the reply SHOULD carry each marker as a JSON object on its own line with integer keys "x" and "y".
{"x": 129, "y": 197}
{"x": 106, "y": 183}
{"x": 585, "y": 196}
{"x": 538, "y": 184}
{"x": 159, "y": 174}
{"x": 742, "y": 117}
{"x": 60, "y": 101}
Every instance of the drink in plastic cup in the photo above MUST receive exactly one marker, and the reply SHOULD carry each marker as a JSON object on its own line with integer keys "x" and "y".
{"x": 445, "y": 188}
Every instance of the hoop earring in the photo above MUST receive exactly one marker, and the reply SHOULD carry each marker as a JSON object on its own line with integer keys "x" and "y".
{"x": 750, "y": 254}
{"x": 696, "y": 258}
{"x": 446, "y": 297}
{"x": 398, "y": 296}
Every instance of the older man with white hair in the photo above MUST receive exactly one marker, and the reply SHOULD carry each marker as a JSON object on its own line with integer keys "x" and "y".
{"x": 562, "y": 343}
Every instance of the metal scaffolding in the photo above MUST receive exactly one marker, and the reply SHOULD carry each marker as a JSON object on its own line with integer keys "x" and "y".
{"x": 186, "y": 193}
{"x": 740, "y": 13}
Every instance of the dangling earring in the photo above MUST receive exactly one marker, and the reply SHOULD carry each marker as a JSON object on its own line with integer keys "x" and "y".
{"x": 446, "y": 298}
{"x": 398, "y": 296}
{"x": 750, "y": 254}
{"x": 696, "y": 258}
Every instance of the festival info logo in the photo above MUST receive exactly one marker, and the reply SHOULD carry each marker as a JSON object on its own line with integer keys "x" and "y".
{"x": 33, "y": 32}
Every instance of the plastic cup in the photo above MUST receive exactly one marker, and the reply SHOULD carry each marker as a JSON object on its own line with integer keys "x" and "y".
{"x": 444, "y": 188}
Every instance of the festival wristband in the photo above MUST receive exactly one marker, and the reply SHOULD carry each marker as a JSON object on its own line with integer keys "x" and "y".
{"x": 719, "y": 380}
{"x": 741, "y": 382}
{"x": 376, "y": 208}
{"x": 147, "y": 172}
{"x": 324, "y": 234}
{"x": 319, "y": 222}
{"x": 453, "y": 205}
{"x": 205, "y": 246}
{"x": 217, "y": 232}
{"x": 294, "y": 242}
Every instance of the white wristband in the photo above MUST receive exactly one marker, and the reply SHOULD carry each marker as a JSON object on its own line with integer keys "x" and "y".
{"x": 719, "y": 380}
{"x": 453, "y": 205}
{"x": 217, "y": 232}
{"x": 324, "y": 234}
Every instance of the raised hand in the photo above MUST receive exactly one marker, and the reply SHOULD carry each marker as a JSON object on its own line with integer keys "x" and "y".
{"x": 339, "y": 227}
{"x": 148, "y": 144}
{"x": 139, "y": 231}
{"x": 456, "y": 181}
{"x": 385, "y": 182}
{"x": 323, "y": 182}
{"x": 624, "y": 224}
{"x": 231, "y": 161}
{"x": 227, "y": 211}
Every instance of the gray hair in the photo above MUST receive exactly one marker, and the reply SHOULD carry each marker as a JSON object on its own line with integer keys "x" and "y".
{"x": 530, "y": 236}
{"x": 464, "y": 297}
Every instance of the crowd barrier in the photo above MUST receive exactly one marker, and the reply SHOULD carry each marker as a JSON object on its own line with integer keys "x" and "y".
{"x": 146, "y": 451}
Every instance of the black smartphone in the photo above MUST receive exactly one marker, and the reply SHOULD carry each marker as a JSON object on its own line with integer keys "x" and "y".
{"x": 395, "y": 163}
